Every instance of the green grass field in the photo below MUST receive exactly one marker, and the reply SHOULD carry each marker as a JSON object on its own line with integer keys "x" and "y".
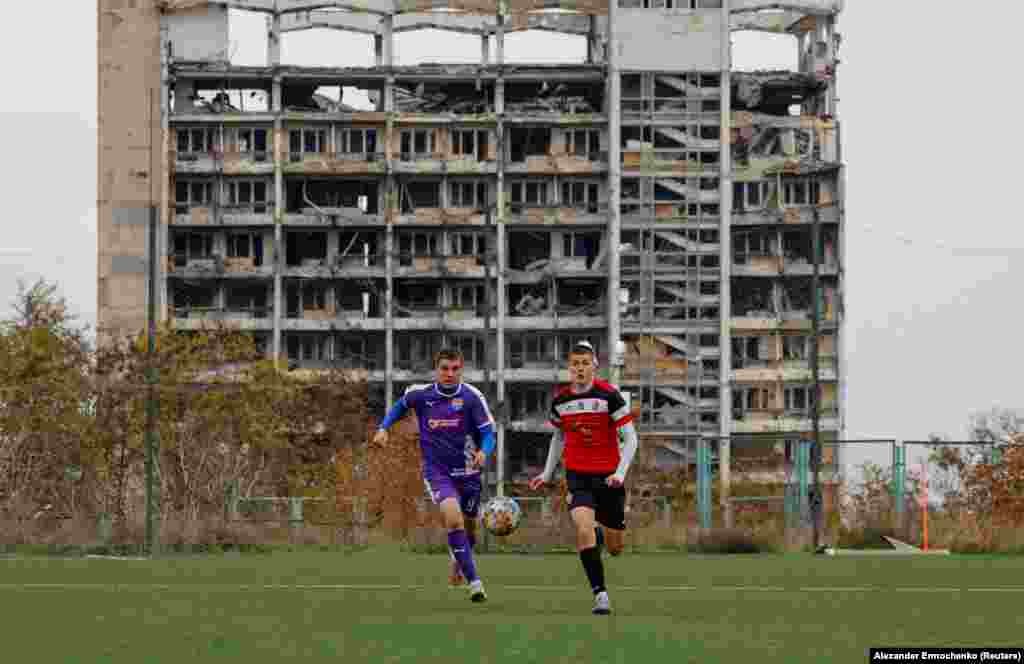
{"x": 388, "y": 606}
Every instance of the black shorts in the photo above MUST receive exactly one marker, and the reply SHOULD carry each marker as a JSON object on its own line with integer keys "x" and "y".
{"x": 608, "y": 503}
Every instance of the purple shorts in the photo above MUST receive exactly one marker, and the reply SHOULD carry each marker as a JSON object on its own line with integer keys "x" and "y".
{"x": 441, "y": 486}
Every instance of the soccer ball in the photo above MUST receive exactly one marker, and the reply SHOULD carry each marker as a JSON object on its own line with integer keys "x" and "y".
{"x": 501, "y": 516}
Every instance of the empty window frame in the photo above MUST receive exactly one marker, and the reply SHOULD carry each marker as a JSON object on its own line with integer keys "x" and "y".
{"x": 468, "y": 244}
{"x": 250, "y": 195}
{"x": 420, "y": 195}
{"x": 421, "y": 244}
{"x": 535, "y": 349}
{"x": 306, "y": 141}
{"x": 249, "y": 141}
{"x": 357, "y": 142}
{"x": 529, "y": 403}
{"x": 416, "y": 143}
{"x": 801, "y": 192}
{"x": 470, "y": 143}
{"x": 796, "y": 347}
{"x": 581, "y": 245}
{"x": 467, "y": 194}
{"x": 246, "y": 245}
{"x": 468, "y": 297}
{"x": 192, "y": 193}
{"x": 526, "y": 142}
{"x": 580, "y": 194}
{"x": 188, "y": 246}
{"x": 583, "y": 143}
{"x": 200, "y": 140}
{"x": 471, "y": 346}
{"x": 525, "y": 193}
{"x": 796, "y": 398}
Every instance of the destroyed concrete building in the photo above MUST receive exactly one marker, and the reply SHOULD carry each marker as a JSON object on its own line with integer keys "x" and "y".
{"x": 649, "y": 194}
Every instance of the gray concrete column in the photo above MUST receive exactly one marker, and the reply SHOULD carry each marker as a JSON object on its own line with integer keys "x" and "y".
{"x": 725, "y": 260}
{"x": 614, "y": 235}
{"x": 485, "y": 50}
{"x": 387, "y": 43}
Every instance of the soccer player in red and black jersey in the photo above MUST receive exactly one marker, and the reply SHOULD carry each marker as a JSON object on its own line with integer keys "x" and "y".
{"x": 593, "y": 423}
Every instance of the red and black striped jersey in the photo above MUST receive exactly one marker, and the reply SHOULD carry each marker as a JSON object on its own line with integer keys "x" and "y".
{"x": 590, "y": 423}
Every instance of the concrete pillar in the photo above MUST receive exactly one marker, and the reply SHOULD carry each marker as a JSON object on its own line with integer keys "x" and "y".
{"x": 725, "y": 260}
{"x": 273, "y": 40}
{"x": 387, "y": 44}
{"x": 485, "y": 50}
{"x": 614, "y": 235}
{"x": 163, "y": 207}
{"x": 378, "y": 49}
{"x": 333, "y": 247}
{"x": 279, "y": 207}
{"x": 499, "y": 108}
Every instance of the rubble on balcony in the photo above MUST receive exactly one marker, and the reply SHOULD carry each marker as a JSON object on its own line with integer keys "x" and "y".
{"x": 658, "y": 356}
{"x": 765, "y": 145}
{"x": 773, "y": 92}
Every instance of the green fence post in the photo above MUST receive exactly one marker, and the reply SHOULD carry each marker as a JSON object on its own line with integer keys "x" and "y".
{"x": 803, "y": 466}
{"x": 704, "y": 483}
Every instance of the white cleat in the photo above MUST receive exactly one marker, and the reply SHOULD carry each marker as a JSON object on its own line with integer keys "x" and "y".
{"x": 476, "y": 591}
{"x": 602, "y": 606}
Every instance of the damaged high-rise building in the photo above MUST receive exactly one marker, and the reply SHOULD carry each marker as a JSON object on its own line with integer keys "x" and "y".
{"x": 366, "y": 216}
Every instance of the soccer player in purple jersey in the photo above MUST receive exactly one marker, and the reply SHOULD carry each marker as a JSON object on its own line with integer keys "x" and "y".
{"x": 456, "y": 437}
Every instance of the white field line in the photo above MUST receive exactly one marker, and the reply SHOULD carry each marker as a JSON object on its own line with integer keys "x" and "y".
{"x": 223, "y": 587}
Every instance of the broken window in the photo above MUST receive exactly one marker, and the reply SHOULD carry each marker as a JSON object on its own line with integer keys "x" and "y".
{"x": 189, "y": 246}
{"x": 579, "y": 298}
{"x": 192, "y": 193}
{"x": 796, "y": 247}
{"x": 468, "y": 297}
{"x": 306, "y": 249}
{"x": 796, "y": 398}
{"x": 467, "y": 194}
{"x": 580, "y": 194}
{"x": 249, "y": 141}
{"x": 470, "y": 143}
{"x": 472, "y": 348}
{"x": 248, "y": 301}
{"x": 525, "y": 193}
{"x": 584, "y": 143}
{"x": 421, "y": 244}
{"x": 584, "y": 245}
{"x": 420, "y": 195}
{"x": 359, "y": 297}
{"x": 347, "y": 193}
{"x": 753, "y": 297}
{"x": 357, "y": 143}
{"x": 796, "y": 347}
{"x": 306, "y": 141}
{"x": 415, "y": 351}
{"x": 801, "y": 192}
{"x": 418, "y": 298}
{"x": 356, "y": 351}
{"x": 531, "y": 300}
{"x": 528, "y": 142}
{"x": 529, "y": 402}
{"x": 195, "y": 142}
{"x": 246, "y": 195}
{"x": 532, "y": 351}
{"x": 416, "y": 144}
{"x": 468, "y": 244}
{"x": 307, "y": 347}
{"x": 528, "y": 250}
{"x": 186, "y": 299}
{"x": 246, "y": 245}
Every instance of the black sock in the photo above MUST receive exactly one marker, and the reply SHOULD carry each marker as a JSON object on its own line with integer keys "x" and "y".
{"x": 592, "y": 566}
{"x": 599, "y": 533}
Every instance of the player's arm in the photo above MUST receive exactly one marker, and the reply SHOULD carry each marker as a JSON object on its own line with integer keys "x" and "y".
{"x": 629, "y": 441}
{"x": 554, "y": 455}
{"x": 484, "y": 421}
{"x": 397, "y": 412}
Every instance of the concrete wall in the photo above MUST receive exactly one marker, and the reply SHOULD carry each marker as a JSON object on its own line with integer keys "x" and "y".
{"x": 130, "y": 168}
{"x": 668, "y": 40}
{"x": 199, "y": 34}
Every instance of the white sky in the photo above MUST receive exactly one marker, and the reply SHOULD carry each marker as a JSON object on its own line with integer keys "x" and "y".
{"x": 931, "y": 335}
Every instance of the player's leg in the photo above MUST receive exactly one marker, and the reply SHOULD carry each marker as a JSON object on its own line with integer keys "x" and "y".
{"x": 611, "y": 515}
{"x": 469, "y": 489}
{"x": 458, "y": 544}
{"x": 581, "y": 510}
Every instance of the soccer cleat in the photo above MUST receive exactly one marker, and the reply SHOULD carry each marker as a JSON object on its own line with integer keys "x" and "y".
{"x": 602, "y": 606}
{"x": 476, "y": 591}
{"x": 455, "y": 577}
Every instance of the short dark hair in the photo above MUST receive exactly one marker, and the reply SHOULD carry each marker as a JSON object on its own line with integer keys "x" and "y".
{"x": 448, "y": 354}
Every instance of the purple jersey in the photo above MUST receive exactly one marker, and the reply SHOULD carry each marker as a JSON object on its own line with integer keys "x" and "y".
{"x": 449, "y": 426}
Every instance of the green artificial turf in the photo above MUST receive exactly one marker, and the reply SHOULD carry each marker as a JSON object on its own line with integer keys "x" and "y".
{"x": 668, "y": 608}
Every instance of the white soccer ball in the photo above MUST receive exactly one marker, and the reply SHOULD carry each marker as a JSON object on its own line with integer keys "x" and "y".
{"x": 501, "y": 516}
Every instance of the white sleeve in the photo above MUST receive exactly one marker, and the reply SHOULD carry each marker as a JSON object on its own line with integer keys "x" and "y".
{"x": 554, "y": 455}
{"x": 631, "y": 442}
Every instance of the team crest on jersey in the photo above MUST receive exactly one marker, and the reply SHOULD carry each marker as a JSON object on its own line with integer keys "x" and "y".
{"x": 457, "y": 404}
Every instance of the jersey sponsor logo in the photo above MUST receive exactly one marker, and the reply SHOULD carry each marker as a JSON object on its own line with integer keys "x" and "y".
{"x": 582, "y": 406}
{"x": 457, "y": 404}
{"x": 438, "y": 423}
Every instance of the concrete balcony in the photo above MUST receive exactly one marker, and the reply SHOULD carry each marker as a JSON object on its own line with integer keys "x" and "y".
{"x": 542, "y": 215}
{"x": 331, "y": 163}
{"x": 199, "y": 318}
{"x": 795, "y": 215}
{"x": 332, "y": 216}
{"x": 224, "y": 215}
{"x": 441, "y": 267}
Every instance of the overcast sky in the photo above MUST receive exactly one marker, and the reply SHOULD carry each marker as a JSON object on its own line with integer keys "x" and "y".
{"x": 933, "y": 330}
